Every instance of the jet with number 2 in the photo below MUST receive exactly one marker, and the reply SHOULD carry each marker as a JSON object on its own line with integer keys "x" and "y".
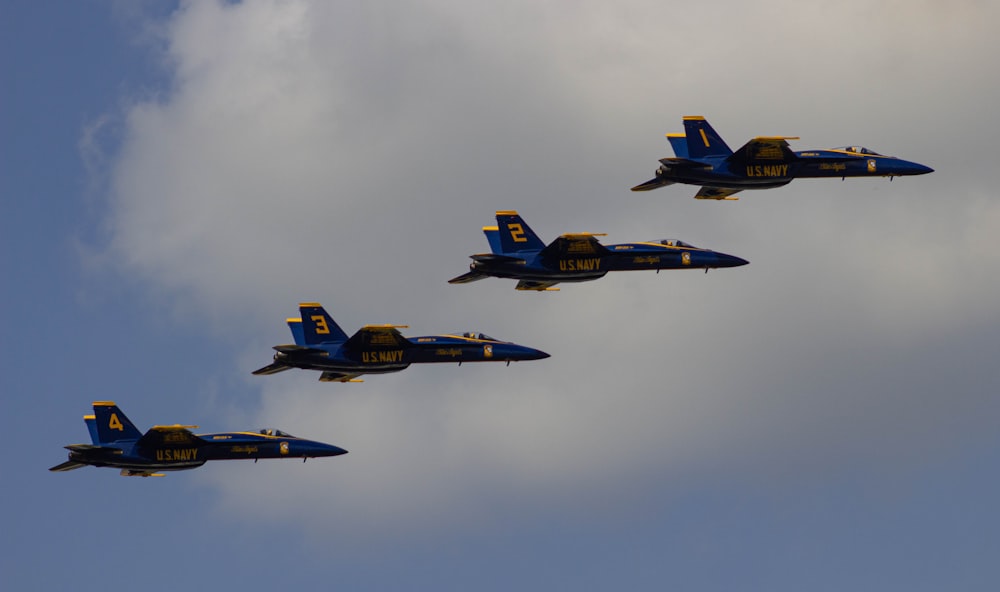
{"x": 118, "y": 444}
{"x": 320, "y": 344}
{"x": 519, "y": 254}
{"x": 703, "y": 158}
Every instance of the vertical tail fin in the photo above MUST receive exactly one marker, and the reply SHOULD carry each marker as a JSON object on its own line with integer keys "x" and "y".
{"x": 702, "y": 140}
{"x": 318, "y": 326}
{"x": 111, "y": 424}
{"x": 298, "y": 333}
{"x": 91, "y": 421}
{"x": 679, "y": 143}
{"x": 493, "y": 237}
{"x": 515, "y": 235}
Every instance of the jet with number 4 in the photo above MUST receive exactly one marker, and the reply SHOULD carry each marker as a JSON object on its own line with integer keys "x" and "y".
{"x": 703, "y": 158}
{"x": 518, "y": 253}
{"x": 118, "y": 444}
{"x": 320, "y": 344}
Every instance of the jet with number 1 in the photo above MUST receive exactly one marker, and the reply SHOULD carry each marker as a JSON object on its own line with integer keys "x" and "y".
{"x": 118, "y": 444}
{"x": 519, "y": 254}
{"x": 703, "y": 158}
{"x": 320, "y": 344}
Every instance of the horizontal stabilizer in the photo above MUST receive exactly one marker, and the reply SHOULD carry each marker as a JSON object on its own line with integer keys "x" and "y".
{"x": 273, "y": 368}
{"x": 88, "y": 447}
{"x": 652, "y": 184}
{"x": 496, "y": 258}
{"x": 68, "y": 466}
{"x": 684, "y": 163}
{"x": 467, "y": 277}
{"x": 288, "y": 349}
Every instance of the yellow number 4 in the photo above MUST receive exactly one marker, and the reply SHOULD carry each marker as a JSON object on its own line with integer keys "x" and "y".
{"x": 321, "y": 326}
{"x": 517, "y": 233}
{"x": 116, "y": 424}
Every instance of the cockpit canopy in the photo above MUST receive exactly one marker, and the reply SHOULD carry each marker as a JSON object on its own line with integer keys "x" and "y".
{"x": 858, "y": 150}
{"x": 480, "y": 336}
{"x": 672, "y": 242}
{"x": 276, "y": 433}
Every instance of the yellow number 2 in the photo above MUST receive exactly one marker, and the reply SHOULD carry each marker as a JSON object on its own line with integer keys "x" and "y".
{"x": 116, "y": 424}
{"x": 517, "y": 233}
{"x": 321, "y": 327}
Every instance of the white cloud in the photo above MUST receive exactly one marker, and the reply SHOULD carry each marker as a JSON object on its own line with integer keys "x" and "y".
{"x": 349, "y": 154}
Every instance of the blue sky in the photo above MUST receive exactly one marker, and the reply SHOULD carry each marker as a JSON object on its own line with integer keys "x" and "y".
{"x": 176, "y": 178}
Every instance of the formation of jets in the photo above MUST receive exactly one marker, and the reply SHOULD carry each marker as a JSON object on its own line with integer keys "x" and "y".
{"x": 516, "y": 252}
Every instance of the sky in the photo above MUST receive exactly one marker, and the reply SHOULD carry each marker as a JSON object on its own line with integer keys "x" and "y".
{"x": 177, "y": 177}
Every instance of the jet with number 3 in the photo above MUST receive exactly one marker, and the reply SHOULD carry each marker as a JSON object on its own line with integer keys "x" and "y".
{"x": 320, "y": 344}
{"x": 518, "y": 253}
{"x": 703, "y": 158}
{"x": 118, "y": 444}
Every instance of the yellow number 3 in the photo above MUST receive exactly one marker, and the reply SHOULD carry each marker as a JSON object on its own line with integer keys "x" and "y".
{"x": 115, "y": 423}
{"x": 321, "y": 326}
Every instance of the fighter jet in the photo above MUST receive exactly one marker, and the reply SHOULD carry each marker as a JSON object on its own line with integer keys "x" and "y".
{"x": 519, "y": 254}
{"x": 320, "y": 344}
{"x": 118, "y": 444}
{"x": 703, "y": 158}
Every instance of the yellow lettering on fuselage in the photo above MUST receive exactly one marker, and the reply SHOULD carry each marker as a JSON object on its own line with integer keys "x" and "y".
{"x": 177, "y": 454}
{"x": 382, "y": 357}
{"x": 767, "y": 170}
{"x": 590, "y": 264}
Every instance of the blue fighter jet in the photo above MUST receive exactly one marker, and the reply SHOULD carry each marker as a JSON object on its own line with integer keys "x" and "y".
{"x": 703, "y": 158}
{"x": 118, "y": 444}
{"x": 519, "y": 254}
{"x": 320, "y": 344}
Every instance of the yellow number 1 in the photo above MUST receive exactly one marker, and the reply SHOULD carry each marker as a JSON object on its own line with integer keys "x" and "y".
{"x": 116, "y": 424}
{"x": 321, "y": 327}
{"x": 517, "y": 233}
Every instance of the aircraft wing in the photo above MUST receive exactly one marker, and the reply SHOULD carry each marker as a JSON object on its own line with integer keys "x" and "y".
{"x": 764, "y": 149}
{"x": 536, "y": 286}
{"x": 375, "y": 336}
{"x": 717, "y": 193}
{"x": 172, "y": 435}
{"x": 339, "y": 377}
{"x": 583, "y": 243}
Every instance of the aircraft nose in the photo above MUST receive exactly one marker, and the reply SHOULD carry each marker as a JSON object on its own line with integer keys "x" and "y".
{"x": 316, "y": 449}
{"x": 725, "y": 260}
{"x": 535, "y": 354}
{"x": 519, "y": 352}
{"x": 913, "y": 168}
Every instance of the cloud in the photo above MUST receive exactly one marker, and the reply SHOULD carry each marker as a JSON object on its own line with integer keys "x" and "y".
{"x": 350, "y": 153}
